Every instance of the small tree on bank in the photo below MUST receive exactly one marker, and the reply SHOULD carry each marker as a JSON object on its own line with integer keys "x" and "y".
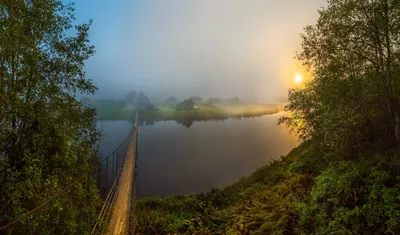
{"x": 171, "y": 101}
{"x": 130, "y": 98}
{"x": 196, "y": 100}
{"x": 185, "y": 105}
{"x": 142, "y": 100}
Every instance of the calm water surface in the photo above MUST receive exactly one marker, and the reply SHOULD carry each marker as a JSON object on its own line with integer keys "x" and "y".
{"x": 174, "y": 159}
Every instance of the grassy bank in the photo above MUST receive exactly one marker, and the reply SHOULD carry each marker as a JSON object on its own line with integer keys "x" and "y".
{"x": 301, "y": 194}
{"x": 198, "y": 113}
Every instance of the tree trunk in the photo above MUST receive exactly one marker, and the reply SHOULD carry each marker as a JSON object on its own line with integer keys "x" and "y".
{"x": 389, "y": 77}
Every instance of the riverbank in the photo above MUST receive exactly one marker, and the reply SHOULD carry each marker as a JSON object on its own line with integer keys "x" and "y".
{"x": 303, "y": 193}
{"x": 198, "y": 113}
{"x": 259, "y": 203}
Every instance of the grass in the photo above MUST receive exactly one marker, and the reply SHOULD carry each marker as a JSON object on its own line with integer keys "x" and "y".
{"x": 302, "y": 193}
{"x": 252, "y": 205}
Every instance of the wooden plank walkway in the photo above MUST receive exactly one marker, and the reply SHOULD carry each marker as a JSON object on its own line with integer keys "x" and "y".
{"x": 121, "y": 211}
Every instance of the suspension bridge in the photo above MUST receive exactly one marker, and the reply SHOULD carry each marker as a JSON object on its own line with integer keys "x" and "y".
{"x": 116, "y": 181}
{"x": 117, "y": 214}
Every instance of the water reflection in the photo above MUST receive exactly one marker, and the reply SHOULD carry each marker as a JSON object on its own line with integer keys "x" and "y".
{"x": 189, "y": 156}
{"x": 188, "y": 121}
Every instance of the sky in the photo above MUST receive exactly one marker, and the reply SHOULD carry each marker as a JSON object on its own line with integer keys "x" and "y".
{"x": 204, "y": 48}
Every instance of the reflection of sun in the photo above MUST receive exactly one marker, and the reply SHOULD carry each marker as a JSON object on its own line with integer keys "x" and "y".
{"x": 298, "y": 78}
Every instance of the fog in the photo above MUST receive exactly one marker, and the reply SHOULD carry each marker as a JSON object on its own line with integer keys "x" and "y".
{"x": 205, "y": 48}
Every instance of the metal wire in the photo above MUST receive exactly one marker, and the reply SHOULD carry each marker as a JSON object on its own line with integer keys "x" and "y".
{"x": 120, "y": 152}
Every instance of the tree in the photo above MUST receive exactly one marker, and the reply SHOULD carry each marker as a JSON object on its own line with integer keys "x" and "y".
{"x": 130, "y": 98}
{"x": 352, "y": 102}
{"x": 196, "y": 100}
{"x": 187, "y": 122}
{"x": 46, "y": 135}
{"x": 185, "y": 105}
{"x": 142, "y": 100}
{"x": 171, "y": 101}
{"x": 213, "y": 101}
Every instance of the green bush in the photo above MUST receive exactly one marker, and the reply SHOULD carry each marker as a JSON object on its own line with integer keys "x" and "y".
{"x": 353, "y": 198}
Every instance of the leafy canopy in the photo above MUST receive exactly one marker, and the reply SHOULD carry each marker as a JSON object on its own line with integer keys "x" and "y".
{"x": 352, "y": 100}
{"x": 46, "y": 135}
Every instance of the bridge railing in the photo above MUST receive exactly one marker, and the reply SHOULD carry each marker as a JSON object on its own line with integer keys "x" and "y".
{"x": 109, "y": 181}
{"x": 108, "y": 168}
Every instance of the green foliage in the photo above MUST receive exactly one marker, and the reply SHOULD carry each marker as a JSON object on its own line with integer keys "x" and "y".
{"x": 185, "y": 105}
{"x": 351, "y": 108}
{"x": 214, "y": 101}
{"x": 240, "y": 208}
{"x": 273, "y": 210}
{"x": 345, "y": 197}
{"x": 352, "y": 100}
{"x": 142, "y": 100}
{"x": 171, "y": 102}
{"x": 196, "y": 100}
{"x": 220, "y": 211}
{"x": 46, "y": 135}
{"x": 353, "y": 198}
{"x": 200, "y": 113}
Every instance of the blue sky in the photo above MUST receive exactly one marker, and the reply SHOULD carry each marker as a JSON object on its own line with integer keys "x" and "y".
{"x": 200, "y": 47}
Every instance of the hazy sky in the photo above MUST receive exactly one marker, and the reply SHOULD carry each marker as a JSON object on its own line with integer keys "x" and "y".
{"x": 197, "y": 47}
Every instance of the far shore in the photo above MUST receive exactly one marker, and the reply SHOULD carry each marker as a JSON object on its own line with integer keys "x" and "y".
{"x": 198, "y": 113}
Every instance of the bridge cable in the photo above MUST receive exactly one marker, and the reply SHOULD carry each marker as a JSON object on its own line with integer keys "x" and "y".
{"x": 104, "y": 213}
{"x": 108, "y": 198}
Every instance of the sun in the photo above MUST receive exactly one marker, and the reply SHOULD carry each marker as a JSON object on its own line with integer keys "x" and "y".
{"x": 298, "y": 78}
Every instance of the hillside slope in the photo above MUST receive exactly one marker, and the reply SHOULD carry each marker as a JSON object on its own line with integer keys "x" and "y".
{"x": 301, "y": 194}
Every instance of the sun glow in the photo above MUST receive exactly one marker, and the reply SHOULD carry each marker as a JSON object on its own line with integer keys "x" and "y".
{"x": 298, "y": 78}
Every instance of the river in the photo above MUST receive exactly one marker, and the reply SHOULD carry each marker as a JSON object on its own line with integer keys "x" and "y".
{"x": 176, "y": 159}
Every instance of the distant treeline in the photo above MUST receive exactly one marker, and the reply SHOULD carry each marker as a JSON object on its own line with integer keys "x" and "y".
{"x": 131, "y": 99}
{"x": 189, "y": 110}
{"x": 142, "y": 101}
